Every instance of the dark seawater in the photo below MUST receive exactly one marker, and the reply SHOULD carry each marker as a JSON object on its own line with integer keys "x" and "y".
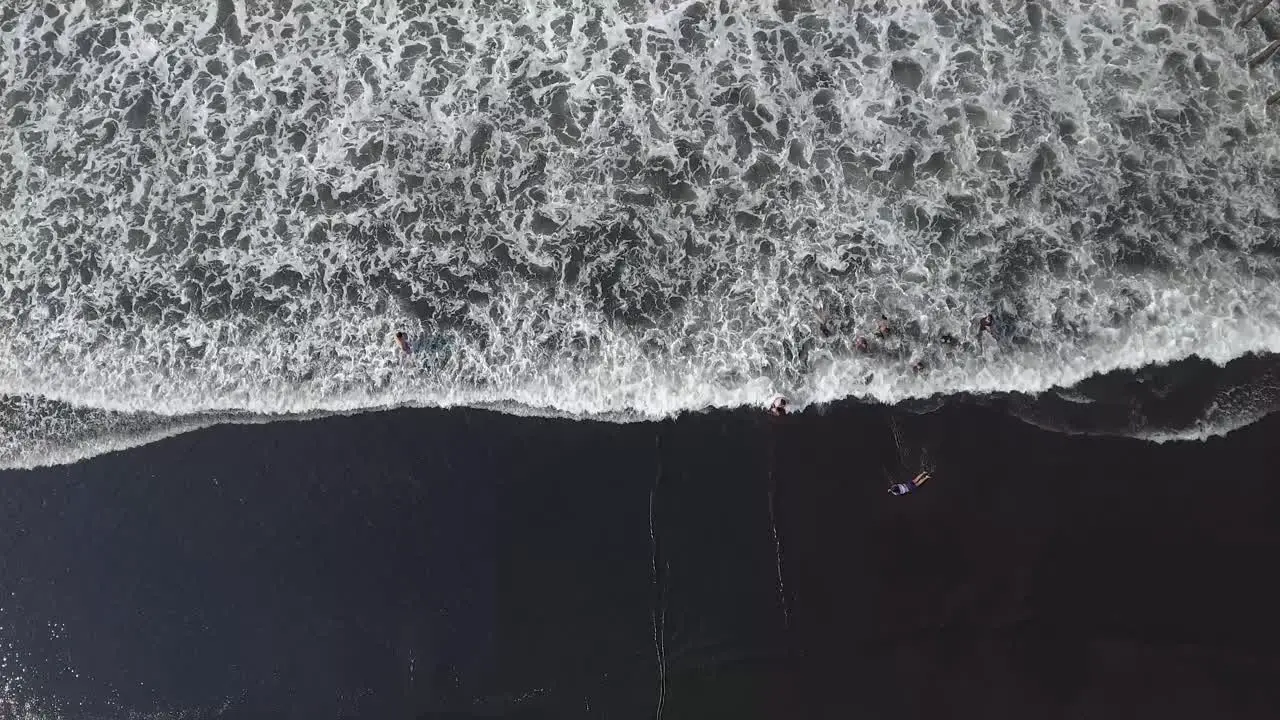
{"x": 465, "y": 564}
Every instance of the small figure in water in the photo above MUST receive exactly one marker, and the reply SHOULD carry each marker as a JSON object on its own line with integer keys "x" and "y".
{"x": 779, "y": 407}
{"x": 883, "y": 328}
{"x": 987, "y": 325}
{"x": 825, "y": 327}
{"x": 908, "y": 488}
{"x": 861, "y": 344}
{"x": 402, "y": 341}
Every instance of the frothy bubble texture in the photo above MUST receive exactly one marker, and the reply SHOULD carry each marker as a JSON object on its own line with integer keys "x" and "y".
{"x": 611, "y": 208}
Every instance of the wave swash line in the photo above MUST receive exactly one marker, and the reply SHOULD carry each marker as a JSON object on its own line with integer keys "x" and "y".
{"x": 624, "y": 210}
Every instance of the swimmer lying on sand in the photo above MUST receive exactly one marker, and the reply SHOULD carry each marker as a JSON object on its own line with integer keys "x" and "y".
{"x": 908, "y": 488}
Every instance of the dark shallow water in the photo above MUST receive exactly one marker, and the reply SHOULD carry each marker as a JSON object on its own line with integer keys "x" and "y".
{"x": 427, "y": 564}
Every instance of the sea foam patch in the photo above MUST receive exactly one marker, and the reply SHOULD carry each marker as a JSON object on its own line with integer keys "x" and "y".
{"x": 617, "y": 210}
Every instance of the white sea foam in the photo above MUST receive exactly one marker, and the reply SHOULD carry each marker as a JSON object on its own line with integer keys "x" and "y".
{"x": 614, "y": 209}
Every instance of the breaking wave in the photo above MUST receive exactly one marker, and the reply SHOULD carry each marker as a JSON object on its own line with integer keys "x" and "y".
{"x": 212, "y": 212}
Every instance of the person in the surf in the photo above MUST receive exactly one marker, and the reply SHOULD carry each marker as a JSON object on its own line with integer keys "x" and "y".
{"x": 903, "y": 488}
{"x": 778, "y": 408}
{"x": 987, "y": 325}
{"x": 402, "y": 341}
{"x": 861, "y": 344}
{"x": 883, "y": 328}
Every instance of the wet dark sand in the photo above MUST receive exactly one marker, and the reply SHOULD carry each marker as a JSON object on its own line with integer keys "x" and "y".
{"x": 464, "y": 564}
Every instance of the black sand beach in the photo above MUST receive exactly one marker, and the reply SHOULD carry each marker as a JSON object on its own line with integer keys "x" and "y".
{"x": 431, "y": 564}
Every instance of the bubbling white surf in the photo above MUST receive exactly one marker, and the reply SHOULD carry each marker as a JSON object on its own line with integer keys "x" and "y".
{"x": 615, "y": 209}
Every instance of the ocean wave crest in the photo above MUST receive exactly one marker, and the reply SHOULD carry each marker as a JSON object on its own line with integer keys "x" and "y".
{"x": 612, "y": 209}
